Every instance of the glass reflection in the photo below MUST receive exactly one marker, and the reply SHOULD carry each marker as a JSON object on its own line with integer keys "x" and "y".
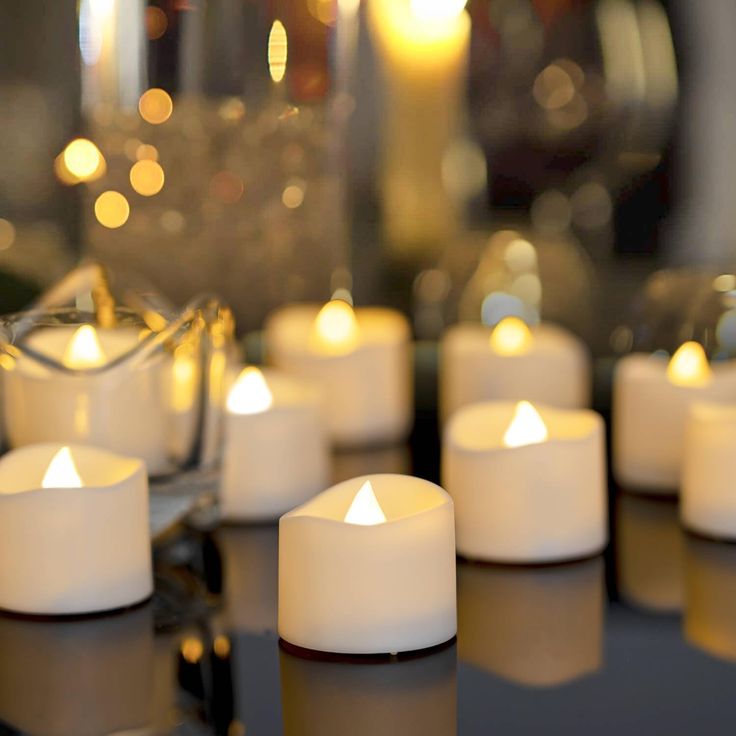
{"x": 363, "y": 697}
{"x": 649, "y": 553}
{"x": 710, "y": 597}
{"x": 535, "y": 626}
{"x": 84, "y": 676}
{"x": 353, "y": 463}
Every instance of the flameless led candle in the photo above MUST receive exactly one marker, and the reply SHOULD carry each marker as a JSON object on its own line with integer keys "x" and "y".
{"x": 528, "y": 483}
{"x": 84, "y": 676}
{"x": 416, "y": 695}
{"x": 276, "y": 454}
{"x": 651, "y": 401}
{"x": 511, "y": 362}
{"x": 368, "y": 567}
{"x": 649, "y": 553}
{"x": 116, "y": 406}
{"x": 708, "y": 496}
{"x": 74, "y": 524}
{"x": 539, "y": 627}
{"x": 360, "y": 359}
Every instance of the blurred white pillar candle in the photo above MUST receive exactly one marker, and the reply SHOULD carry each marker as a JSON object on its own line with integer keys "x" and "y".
{"x": 276, "y": 454}
{"x": 73, "y": 530}
{"x": 97, "y": 400}
{"x": 511, "y": 362}
{"x": 651, "y": 401}
{"x": 360, "y": 359}
{"x": 708, "y": 496}
{"x": 529, "y": 484}
{"x": 368, "y": 567}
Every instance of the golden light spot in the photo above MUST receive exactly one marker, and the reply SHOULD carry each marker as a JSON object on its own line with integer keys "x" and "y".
{"x": 335, "y": 330}
{"x": 146, "y": 152}
{"x": 436, "y": 11}
{"x": 511, "y": 336}
{"x": 84, "y": 349}
{"x": 7, "y": 362}
{"x": 689, "y": 366}
{"x": 277, "y": 51}
{"x": 221, "y": 646}
{"x": 62, "y": 472}
{"x": 325, "y": 11}
{"x": 192, "y": 649}
{"x": 227, "y": 187}
{"x": 82, "y": 159}
{"x": 365, "y": 509}
{"x": 155, "y": 106}
{"x": 146, "y": 178}
{"x": 7, "y": 234}
{"x": 250, "y": 394}
{"x": 156, "y": 22}
{"x": 553, "y": 88}
{"x": 725, "y": 282}
{"x": 293, "y": 196}
{"x": 527, "y": 427}
{"x": 112, "y": 209}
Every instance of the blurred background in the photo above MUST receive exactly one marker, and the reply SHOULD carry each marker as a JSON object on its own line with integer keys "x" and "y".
{"x": 566, "y": 159}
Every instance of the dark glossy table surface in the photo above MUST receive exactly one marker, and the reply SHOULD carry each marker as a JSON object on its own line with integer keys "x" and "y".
{"x": 639, "y": 640}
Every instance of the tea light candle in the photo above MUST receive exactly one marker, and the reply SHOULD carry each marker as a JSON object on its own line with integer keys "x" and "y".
{"x": 511, "y": 362}
{"x": 651, "y": 401}
{"x": 74, "y": 524}
{"x": 529, "y": 484}
{"x": 368, "y": 567}
{"x": 97, "y": 401}
{"x": 360, "y": 359}
{"x": 708, "y": 501}
{"x": 539, "y": 627}
{"x": 276, "y": 453}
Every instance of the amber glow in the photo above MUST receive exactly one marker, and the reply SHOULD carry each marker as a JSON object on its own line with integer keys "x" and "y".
{"x": 526, "y": 427}
{"x": 184, "y": 380}
{"x": 147, "y": 177}
{"x": 689, "y": 366}
{"x": 84, "y": 349}
{"x": 82, "y": 158}
{"x": 437, "y": 11}
{"x": 250, "y": 393}
{"x": 192, "y": 649}
{"x": 365, "y": 509}
{"x": 511, "y": 336}
{"x": 62, "y": 472}
{"x": 335, "y": 329}
{"x": 155, "y": 106}
{"x": 277, "y": 51}
{"x": 112, "y": 209}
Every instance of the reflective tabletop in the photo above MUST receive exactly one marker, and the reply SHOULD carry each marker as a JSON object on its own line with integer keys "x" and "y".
{"x": 641, "y": 639}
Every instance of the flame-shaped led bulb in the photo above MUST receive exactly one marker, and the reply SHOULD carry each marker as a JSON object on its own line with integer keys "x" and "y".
{"x": 511, "y": 336}
{"x": 526, "y": 428}
{"x": 335, "y": 330}
{"x": 62, "y": 472}
{"x": 689, "y": 366}
{"x": 250, "y": 393}
{"x": 365, "y": 509}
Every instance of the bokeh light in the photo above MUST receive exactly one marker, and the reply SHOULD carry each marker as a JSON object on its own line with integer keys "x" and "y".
{"x": 7, "y": 234}
{"x": 82, "y": 158}
{"x": 156, "y": 22}
{"x": 155, "y": 106}
{"x": 293, "y": 195}
{"x": 112, "y": 209}
{"x": 277, "y": 51}
{"x": 147, "y": 177}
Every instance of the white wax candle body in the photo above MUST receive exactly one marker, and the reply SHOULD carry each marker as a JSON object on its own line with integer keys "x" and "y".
{"x": 367, "y": 392}
{"x": 387, "y": 587}
{"x": 276, "y": 459}
{"x": 649, "y": 418}
{"x": 708, "y": 497}
{"x": 555, "y": 370}
{"x": 73, "y": 550}
{"x": 541, "y": 502}
{"x": 118, "y": 408}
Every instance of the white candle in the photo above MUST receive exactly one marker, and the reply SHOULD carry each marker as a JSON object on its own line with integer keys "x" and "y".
{"x": 96, "y": 400}
{"x": 708, "y": 497}
{"x": 651, "y": 400}
{"x": 68, "y": 666}
{"x": 710, "y": 597}
{"x": 360, "y": 359}
{"x": 511, "y": 362}
{"x": 539, "y": 627}
{"x": 417, "y": 695}
{"x": 529, "y": 484}
{"x": 368, "y": 567}
{"x": 73, "y": 530}
{"x": 423, "y": 47}
{"x": 276, "y": 454}
{"x": 649, "y": 553}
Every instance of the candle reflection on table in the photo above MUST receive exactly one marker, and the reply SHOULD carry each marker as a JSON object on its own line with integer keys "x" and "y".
{"x": 710, "y": 597}
{"x": 84, "y": 676}
{"x": 535, "y": 626}
{"x": 649, "y": 553}
{"x": 365, "y": 696}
